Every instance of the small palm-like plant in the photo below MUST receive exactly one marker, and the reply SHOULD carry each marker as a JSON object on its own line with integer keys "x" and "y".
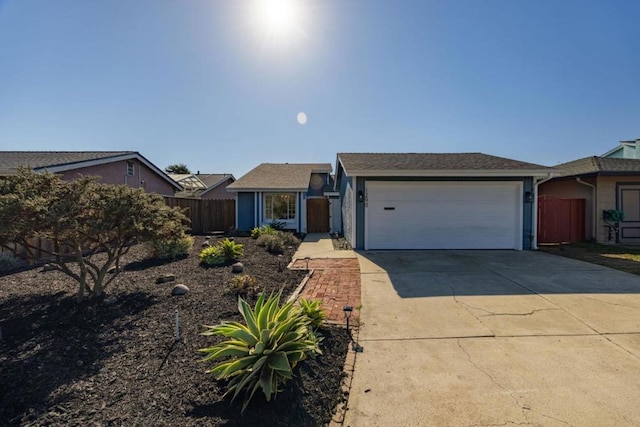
{"x": 262, "y": 353}
{"x": 256, "y": 232}
{"x": 259, "y": 231}
{"x": 230, "y": 250}
{"x": 211, "y": 256}
{"x": 314, "y": 311}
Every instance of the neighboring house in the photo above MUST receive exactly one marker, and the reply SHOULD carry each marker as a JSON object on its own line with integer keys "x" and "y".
{"x": 626, "y": 150}
{"x": 438, "y": 201}
{"x": 604, "y": 183}
{"x": 113, "y": 167}
{"x": 204, "y": 186}
{"x": 294, "y": 194}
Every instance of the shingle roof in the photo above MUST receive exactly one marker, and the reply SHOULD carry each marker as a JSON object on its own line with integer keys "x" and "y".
{"x": 430, "y": 161}
{"x": 56, "y": 161}
{"x": 279, "y": 176}
{"x": 211, "y": 179}
{"x": 41, "y": 159}
{"x": 602, "y": 165}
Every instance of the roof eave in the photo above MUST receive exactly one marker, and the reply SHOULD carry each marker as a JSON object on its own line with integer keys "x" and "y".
{"x": 111, "y": 159}
{"x": 270, "y": 190}
{"x": 217, "y": 184}
{"x": 453, "y": 173}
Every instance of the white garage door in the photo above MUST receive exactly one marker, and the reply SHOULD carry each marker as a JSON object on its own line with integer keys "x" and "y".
{"x": 443, "y": 215}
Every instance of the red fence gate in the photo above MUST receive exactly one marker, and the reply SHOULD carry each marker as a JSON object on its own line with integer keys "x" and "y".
{"x": 560, "y": 220}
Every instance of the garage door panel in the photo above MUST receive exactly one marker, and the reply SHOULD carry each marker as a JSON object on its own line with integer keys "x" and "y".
{"x": 428, "y": 215}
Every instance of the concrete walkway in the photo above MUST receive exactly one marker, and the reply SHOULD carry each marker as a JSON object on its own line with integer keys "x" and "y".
{"x": 461, "y": 338}
{"x": 335, "y": 279}
{"x": 319, "y": 245}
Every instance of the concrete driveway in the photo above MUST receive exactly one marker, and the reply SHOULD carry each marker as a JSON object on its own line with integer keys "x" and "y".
{"x": 468, "y": 338}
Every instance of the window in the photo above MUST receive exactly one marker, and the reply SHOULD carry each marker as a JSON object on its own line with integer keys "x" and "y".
{"x": 130, "y": 168}
{"x": 279, "y": 206}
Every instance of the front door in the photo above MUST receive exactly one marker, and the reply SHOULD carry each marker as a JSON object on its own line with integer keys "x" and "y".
{"x": 629, "y": 203}
{"x": 318, "y": 215}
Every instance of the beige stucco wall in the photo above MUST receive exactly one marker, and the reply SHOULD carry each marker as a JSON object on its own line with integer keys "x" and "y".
{"x": 607, "y": 200}
{"x": 116, "y": 173}
{"x": 571, "y": 189}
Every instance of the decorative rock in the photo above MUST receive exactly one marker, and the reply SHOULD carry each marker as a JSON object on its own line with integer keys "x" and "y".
{"x": 179, "y": 289}
{"x": 166, "y": 278}
{"x": 49, "y": 267}
{"x": 237, "y": 267}
{"x": 206, "y": 244}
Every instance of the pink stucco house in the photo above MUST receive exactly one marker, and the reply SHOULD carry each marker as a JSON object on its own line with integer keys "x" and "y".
{"x": 113, "y": 167}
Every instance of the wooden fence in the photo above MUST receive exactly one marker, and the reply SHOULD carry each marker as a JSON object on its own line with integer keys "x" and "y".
{"x": 560, "y": 220}
{"x": 207, "y": 215}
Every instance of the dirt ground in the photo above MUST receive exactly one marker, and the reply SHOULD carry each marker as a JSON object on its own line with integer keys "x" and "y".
{"x": 116, "y": 363}
{"x": 625, "y": 258}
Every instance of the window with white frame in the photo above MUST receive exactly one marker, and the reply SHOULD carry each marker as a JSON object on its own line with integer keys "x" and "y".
{"x": 130, "y": 168}
{"x": 279, "y": 206}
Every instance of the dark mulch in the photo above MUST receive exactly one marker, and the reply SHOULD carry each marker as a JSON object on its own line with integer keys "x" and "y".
{"x": 113, "y": 364}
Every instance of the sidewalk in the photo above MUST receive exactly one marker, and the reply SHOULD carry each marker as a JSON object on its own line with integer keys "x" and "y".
{"x": 335, "y": 278}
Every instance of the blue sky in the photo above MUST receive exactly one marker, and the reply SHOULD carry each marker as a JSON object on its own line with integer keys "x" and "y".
{"x": 204, "y": 83}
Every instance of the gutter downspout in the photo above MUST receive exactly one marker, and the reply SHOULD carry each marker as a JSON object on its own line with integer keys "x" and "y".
{"x": 594, "y": 232}
{"x": 534, "y": 243}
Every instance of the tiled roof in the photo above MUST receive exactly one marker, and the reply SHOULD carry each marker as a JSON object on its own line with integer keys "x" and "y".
{"x": 42, "y": 159}
{"x": 594, "y": 165}
{"x": 279, "y": 176}
{"x": 430, "y": 161}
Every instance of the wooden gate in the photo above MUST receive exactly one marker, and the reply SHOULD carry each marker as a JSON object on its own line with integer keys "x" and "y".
{"x": 318, "y": 215}
{"x": 560, "y": 220}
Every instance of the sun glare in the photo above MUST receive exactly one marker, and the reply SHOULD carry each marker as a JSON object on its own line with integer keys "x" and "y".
{"x": 279, "y": 19}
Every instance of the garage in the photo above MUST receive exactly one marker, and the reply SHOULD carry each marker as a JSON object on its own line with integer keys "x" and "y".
{"x": 443, "y": 215}
{"x": 438, "y": 200}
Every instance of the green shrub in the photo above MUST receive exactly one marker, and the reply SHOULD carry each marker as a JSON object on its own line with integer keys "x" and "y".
{"x": 278, "y": 241}
{"x": 10, "y": 262}
{"x": 288, "y": 239}
{"x": 170, "y": 248}
{"x": 230, "y": 250}
{"x": 256, "y": 232}
{"x": 244, "y": 285}
{"x": 262, "y": 352}
{"x": 259, "y": 231}
{"x": 225, "y": 251}
{"x": 314, "y": 311}
{"x": 272, "y": 243}
{"x": 211, "y": 256}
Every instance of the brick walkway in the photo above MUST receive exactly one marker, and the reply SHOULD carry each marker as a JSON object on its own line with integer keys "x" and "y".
{"x": 336, "y": 282}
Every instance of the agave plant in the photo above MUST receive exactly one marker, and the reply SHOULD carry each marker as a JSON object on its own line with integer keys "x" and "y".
{"x": 314, "y": 311}
{"x": 263, "y": 352}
